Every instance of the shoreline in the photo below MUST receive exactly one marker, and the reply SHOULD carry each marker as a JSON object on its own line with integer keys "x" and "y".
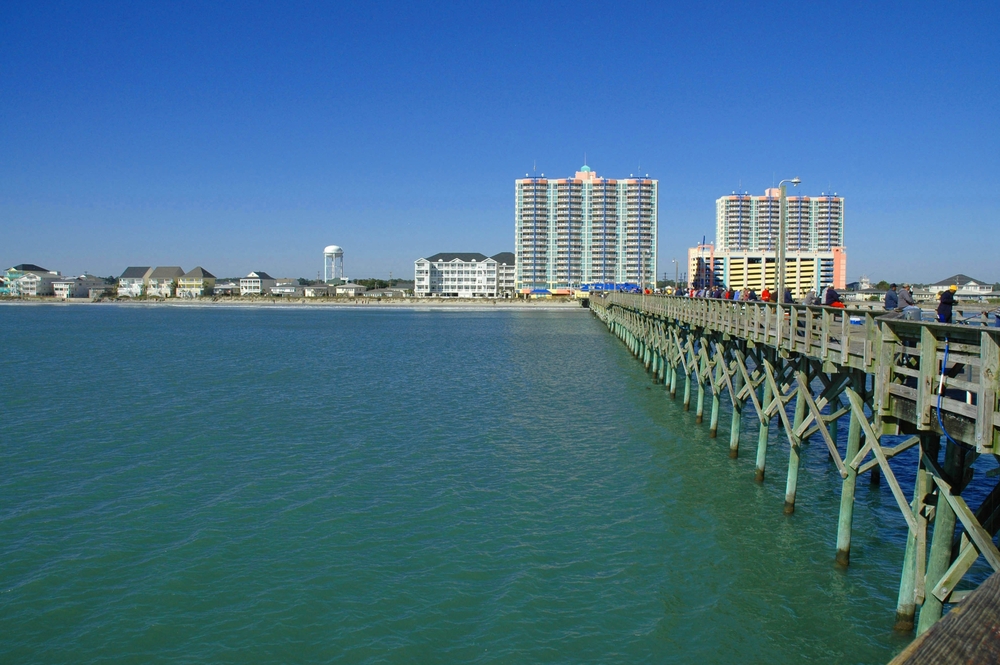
{"x": 484, "y": 304}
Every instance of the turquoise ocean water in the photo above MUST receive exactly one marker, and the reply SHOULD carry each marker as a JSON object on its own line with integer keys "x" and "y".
{"x": 214, "y": 485}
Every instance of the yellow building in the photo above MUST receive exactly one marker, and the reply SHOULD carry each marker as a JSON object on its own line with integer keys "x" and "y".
{"x": 195, "y": 283}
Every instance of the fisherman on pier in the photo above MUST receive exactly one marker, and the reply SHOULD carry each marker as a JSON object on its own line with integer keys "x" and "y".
{"x": 947, "y": 301}
{"x": 891, "y": 298}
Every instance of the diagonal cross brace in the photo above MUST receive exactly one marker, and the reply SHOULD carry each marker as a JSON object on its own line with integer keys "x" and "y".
{"x": 814, "y": 411}
{"x": 789, "y": 431}
{"x": 979, "y": 535}
{"x": 872, "y": 444}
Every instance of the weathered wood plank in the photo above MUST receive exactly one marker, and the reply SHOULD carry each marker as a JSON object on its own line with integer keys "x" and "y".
{"x": 969, "y": 633}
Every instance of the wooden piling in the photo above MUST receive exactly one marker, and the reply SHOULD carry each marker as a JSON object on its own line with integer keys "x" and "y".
{"x": 713, "y": 424}
{"x": 906, "y": 602}
{"x": 699, "y": 412}
{"x": 794, "y": 454}
{"x": 846, "y": 519}
{"x": 763, "y": 432}
{"x": 940, "y": 555}
{"x": 687, "y": 388}
{"x": 734, "y": 430}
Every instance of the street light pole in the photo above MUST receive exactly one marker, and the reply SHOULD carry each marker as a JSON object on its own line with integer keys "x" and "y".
{"x": 677, "y": 267}
{"x": 782, "y": 214}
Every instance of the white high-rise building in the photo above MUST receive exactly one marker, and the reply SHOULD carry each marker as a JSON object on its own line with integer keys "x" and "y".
{"x": 585, "y": 230}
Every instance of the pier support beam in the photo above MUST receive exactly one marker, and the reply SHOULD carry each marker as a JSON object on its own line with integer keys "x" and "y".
{"x": 687, "y": 388}
{"x": 699, "y": 413}
{"x": 762, "y": 433}
{"x": 794, "y": 454}
{"x": 846, "y": 520}
{"x": 939, "y": 558}
{"x": 906, "y": 603}
{"x": 713, "y": 423}
{"x": 734, "y": 430}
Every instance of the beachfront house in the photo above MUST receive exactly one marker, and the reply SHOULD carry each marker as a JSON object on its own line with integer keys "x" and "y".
{"x": 163, "y": 281}
{"x": 386, "y": 293}
{"x": 350, "y": 289}
{"x": 256, "y": 283}
{"x": 287, "y": 289}
{"x": 134, "y": 281}
{"x": 227, "y": 289}
{"x": 967, "y": 286}
{"x": 196, "y": 283}
{"x": 77, "y": 287}
{"x": 315, "y": 291}
{"x": 34, "y": 284}
{"x": 28, "y": 279}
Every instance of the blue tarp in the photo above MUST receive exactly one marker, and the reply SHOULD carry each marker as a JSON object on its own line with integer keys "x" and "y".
{"x": 628, "y": 287}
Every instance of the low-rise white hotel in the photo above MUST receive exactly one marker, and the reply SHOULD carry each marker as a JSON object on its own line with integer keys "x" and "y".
{"x": 463, "y": 275}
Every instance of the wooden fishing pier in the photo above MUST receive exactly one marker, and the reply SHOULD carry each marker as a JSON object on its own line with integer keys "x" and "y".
{"x": 898, "y": 384}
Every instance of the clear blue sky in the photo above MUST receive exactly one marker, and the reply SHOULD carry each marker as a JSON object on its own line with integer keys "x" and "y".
{"x": 249, "y": 135}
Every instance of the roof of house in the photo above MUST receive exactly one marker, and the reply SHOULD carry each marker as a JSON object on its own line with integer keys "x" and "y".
{"x": 166, "y": 272}
{"x": 461, "y": 256}
{"x": 82, "y": 277}
{"x": 351, "y": 285}
{"x": 258, "y": 274}
{"x": 199, "y": 273}
{"x": 506, "y": 258}
{"x": 134, "y": 272}
{"x": 958, "y": 279}
{"x": 29, "y": 267}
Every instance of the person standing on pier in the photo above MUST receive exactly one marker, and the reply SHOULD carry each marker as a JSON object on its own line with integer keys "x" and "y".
{"x": 947, "y": 302}
{"x": 905, "y": 298}
{"x": 891, "y": 298}
{"x": 907, "y": 305}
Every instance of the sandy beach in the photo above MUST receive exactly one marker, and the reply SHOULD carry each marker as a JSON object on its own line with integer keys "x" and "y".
{"x": 399, "y": 303}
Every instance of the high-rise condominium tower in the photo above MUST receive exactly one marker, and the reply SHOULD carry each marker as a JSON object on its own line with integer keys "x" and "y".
{"x": 584, "y": 230}
{"x": 746, "y": 244}
{"x": 750, "y": 223}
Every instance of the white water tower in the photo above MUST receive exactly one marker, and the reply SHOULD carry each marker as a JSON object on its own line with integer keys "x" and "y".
{"x": 333, "y": 264}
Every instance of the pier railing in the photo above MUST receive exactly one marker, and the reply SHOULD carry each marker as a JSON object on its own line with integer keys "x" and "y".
{"x": 898, "y": 383}
{"x": 904, "y": 356}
